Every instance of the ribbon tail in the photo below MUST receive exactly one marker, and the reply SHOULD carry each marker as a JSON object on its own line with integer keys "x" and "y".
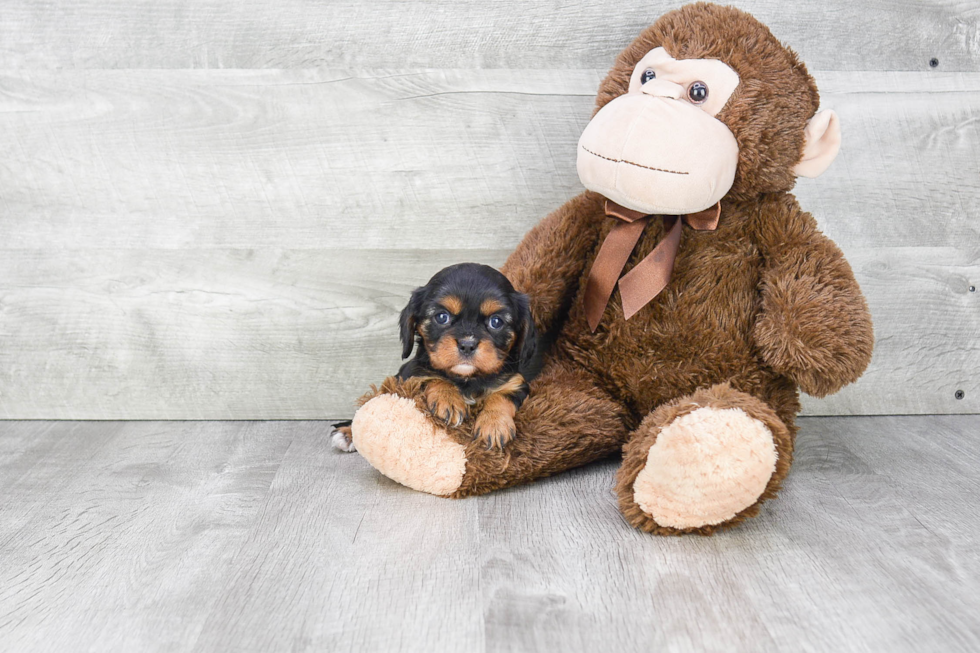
{"x": 609, "y": 262}
{"x": 651, "y": 275}
{"x": 706, "y": 220}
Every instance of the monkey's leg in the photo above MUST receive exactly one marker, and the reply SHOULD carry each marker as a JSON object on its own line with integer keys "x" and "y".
{"x": 565, "y": 422}
{"x": 703, "y": 462}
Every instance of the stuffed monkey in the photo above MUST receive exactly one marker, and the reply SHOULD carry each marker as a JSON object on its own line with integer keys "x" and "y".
{"x": 688, "y": 296}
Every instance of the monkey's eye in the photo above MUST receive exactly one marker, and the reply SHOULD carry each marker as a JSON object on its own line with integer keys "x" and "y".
{"x": 442, "y": 318}
{"x": 698, "y": 92}
{"x": 495, "y": 322}
{"x": 647, "y": 75}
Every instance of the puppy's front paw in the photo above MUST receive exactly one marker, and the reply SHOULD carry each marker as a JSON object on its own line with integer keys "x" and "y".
{"x": 495, "y": 429}
{"x": 446, "y": 403}
{"x": 341, "y": 439}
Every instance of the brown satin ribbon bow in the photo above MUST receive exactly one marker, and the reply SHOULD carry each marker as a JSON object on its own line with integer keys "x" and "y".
{"x": 649, "y": 276}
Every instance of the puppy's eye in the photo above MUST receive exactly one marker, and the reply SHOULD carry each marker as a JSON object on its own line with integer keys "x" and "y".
{"x": 442, "y": 317}
{"x": 495, "y": 322}
{"x": 647, "y": 75}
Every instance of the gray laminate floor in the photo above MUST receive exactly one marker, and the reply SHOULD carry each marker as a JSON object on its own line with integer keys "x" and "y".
{"x": 256, "y": 536}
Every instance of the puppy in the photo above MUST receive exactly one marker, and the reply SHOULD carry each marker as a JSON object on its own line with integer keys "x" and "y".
{"x": 476, "y": 349}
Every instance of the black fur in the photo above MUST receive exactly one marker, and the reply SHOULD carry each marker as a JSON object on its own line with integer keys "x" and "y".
{"x": 408, "y": 320}
{"x": 472, "y": 284}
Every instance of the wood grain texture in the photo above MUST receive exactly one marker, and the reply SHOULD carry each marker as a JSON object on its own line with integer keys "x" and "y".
{"x": 300, "y": 334}
{"x": 832, "y": 35}
{"x": 415, "y": 159}
{"x": 368, "y": 565}
{"x": 205, "y": 536}
{"x": 107, "y": 520}
{"x": 201, "y": 333}
{"x": 404, "y": 159}
{"x": 236, "y": 242}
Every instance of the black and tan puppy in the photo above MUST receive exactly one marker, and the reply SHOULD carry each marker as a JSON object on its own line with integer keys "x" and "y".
{"x": 475, "y": 348}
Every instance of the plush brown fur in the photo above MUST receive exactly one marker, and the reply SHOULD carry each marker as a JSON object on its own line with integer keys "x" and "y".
{"x": 756, "y": 309}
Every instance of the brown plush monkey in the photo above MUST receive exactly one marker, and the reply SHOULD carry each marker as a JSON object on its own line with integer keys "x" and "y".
{"x": 688, "y": 295}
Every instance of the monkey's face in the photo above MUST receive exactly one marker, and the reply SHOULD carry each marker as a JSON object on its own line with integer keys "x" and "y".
{"x": 659, "y": 148}
{"x": 663, "y": 143}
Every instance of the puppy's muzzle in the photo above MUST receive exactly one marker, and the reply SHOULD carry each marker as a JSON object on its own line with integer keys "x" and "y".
{"x": 467, "y": 346}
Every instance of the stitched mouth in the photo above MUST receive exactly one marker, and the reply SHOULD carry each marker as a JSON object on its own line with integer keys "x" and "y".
{"x": 638, "y": 165}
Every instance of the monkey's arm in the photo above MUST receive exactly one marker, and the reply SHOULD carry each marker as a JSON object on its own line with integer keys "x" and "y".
{"x": 550, "y": 260}
{"x": 814, "y": 326}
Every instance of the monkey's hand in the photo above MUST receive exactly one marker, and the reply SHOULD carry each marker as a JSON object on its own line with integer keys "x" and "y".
{"x": 814, "y": 326}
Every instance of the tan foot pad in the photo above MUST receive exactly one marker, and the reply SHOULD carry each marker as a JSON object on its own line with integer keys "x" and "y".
{"x": 705, "y": 468}
{"x": 404, "y": 445}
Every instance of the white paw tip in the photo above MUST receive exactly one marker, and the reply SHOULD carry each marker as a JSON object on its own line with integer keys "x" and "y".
{"x": 342, "y": 442}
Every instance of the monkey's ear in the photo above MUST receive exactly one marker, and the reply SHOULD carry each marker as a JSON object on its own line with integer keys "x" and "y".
{"x": 528, "y": 334}
{"x": 822, "y": 144}
{"x": 409, "y": 320}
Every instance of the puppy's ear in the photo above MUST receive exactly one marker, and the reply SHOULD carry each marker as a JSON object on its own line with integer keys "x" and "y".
{"x": 527, "y": 334}
{"x": 409, "y": 320}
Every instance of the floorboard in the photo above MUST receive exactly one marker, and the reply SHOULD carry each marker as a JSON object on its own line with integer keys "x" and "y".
{"x": 256, "y": 536}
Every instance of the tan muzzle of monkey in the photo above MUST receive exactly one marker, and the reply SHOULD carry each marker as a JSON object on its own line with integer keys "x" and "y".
{"x": 657, "y": 155}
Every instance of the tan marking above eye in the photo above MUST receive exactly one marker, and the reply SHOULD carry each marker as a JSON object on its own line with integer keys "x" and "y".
{"x": 491, "y": 306}
{"x": 452, "y": 303}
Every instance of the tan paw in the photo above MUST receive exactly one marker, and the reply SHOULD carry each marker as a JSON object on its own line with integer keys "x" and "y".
{"x": 494, "y": 429}
{"x": 446, "y": 403}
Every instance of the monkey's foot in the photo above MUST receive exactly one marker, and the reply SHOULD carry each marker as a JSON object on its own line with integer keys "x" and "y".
{"x": 402, "y": 443}
{"x": 703, "y": 463}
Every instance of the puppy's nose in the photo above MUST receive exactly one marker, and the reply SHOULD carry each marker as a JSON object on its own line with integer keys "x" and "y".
{"x": 467, "y": 345}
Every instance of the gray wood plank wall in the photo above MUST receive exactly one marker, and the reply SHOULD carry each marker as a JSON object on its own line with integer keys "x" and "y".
{"x": 215, "y": 210}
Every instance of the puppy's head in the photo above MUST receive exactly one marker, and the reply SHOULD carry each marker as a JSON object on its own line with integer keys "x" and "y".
{"x": 470, "y": 320}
